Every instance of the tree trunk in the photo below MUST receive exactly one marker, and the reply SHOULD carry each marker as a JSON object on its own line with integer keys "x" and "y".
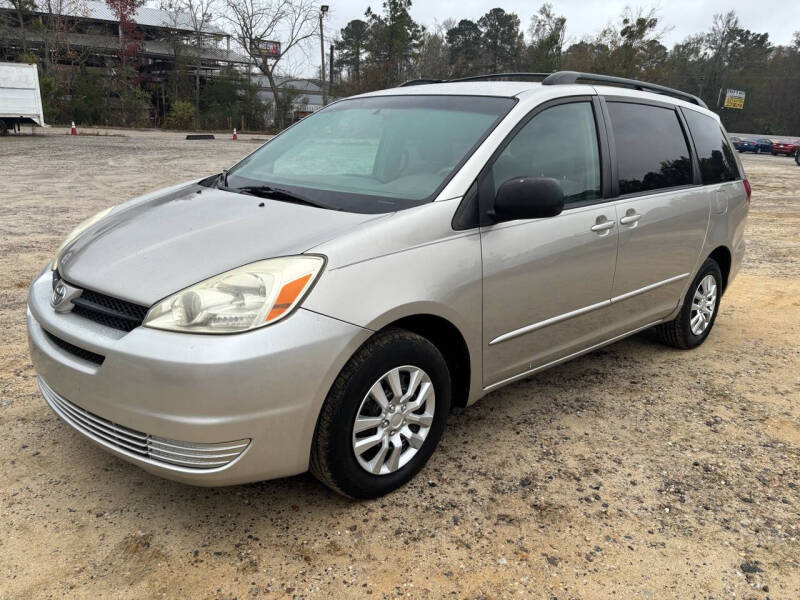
{"x": 277, "y": 113}
{"x": 197, "y": 97}
{"x": 22, "y": 31}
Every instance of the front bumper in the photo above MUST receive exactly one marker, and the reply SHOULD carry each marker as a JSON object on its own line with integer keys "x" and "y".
{"x": 189, "y": 391}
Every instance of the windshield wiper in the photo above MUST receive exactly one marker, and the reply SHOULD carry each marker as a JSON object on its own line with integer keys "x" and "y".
{"x": 274, "y": 193}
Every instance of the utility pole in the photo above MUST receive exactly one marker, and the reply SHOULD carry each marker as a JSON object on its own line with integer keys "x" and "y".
{"x": 330, "y": 79}
{"x": 322, "y": 10}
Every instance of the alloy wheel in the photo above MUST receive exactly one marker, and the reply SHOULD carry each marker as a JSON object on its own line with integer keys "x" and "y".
{"x": 704, "y": 303}
{"x": 393, "y": 420}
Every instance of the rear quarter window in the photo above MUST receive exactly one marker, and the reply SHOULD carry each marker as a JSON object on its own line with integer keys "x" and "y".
{"x": 652, "y": 152}
{"x": 717, "y": 161}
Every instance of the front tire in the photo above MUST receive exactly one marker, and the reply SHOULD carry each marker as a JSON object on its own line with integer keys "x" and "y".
{"x": 383, "y": 416}
{"x": 700, "y": 307}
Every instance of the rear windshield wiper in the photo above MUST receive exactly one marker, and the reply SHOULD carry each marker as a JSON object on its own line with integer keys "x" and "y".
{"x": 274, "y": 193}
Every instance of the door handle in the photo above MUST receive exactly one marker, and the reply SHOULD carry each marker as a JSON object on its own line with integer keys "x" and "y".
{"x": 631, "y": 218}
{"x": 603, "y": 226}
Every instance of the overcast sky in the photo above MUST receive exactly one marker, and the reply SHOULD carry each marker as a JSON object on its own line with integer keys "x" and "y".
{"x": 780, "y": 18}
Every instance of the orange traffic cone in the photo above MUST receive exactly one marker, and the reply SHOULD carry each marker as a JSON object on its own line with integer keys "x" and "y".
{"x": 235, "y": 137}
{"x": 74, "y": 130}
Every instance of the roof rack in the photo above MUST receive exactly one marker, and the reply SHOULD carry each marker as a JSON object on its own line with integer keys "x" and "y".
{"x": 488, "y": 77}
{"x": 411, "y": 82}
{"x": 569, "y": 77}
{"x": 502, "y": 76}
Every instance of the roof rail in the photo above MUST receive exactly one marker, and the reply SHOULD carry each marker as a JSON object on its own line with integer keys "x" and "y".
{"x": 411, "y": 82}
{"x": 501, "y": 76}
{"x": 487, "y": 77}
{"x": 567, "y": 77}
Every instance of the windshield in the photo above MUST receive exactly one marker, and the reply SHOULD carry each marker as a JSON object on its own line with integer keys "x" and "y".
{"x": 373, "y": 155}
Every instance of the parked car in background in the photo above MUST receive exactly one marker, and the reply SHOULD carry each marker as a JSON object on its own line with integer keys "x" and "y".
{"x": 735, "y": 141}
{"x": 787, "y": 148}
{"x": 765, "y": 145}
{"x": 747, "y": 145}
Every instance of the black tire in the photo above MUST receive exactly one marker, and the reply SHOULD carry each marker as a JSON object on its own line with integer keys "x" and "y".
{"x": 797, "y": 158}
{"x": 678, "y": 332}
{"x": 333, "y": 460}
{"x": 3, "y": 128}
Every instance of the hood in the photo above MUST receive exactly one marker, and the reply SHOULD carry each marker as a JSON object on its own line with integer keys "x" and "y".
{"x": 144, "y": 251}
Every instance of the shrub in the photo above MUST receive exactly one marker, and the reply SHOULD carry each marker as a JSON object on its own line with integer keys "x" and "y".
{"x": 181, "y": 115}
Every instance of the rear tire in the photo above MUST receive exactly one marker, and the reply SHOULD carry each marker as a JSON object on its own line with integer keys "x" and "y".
{"x": 693, "y": 324}
{"x": 356, "y": 396}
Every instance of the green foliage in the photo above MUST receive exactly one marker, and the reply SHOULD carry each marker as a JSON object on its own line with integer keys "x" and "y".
{"x": 493, "y": 44}
{"x": 181, "y": 115}
{"x": 547, "y": 40}
{"x": 87, "y": 101}
{"x": 465, "y": 47}
{"x": 350, "y": 48}
{"x": 725, "y": 56}
{"x": 28, "y": 57}
{"x": 393, "y": 43}
{"x": 51, "y": 97}
{"x": 230, "y": 100}
{"x": 501, "y": 40}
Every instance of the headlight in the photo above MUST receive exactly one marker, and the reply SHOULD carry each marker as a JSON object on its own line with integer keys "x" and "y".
{"x": 75, "y": 233}
{"x": 249, "y": 297}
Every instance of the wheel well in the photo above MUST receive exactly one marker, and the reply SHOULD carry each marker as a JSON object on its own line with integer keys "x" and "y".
{"x": 723, "y": 257}
{"x": 448, "y": 339}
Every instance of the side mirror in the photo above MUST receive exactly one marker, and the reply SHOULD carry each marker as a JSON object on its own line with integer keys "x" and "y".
{"x": 528, "y": 198}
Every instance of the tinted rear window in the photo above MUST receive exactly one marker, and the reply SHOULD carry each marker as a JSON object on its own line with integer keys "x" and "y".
{"x": 717, "y": 163}
{"x": 651, "y": 149}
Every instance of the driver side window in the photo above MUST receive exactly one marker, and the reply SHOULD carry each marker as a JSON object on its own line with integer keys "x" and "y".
{"x": 560, "y": 142}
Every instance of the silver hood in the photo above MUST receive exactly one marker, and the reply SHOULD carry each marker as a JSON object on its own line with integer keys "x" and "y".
{"x": 146, "y": 250}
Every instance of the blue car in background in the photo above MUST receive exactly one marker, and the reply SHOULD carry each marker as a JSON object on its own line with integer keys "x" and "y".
{"x": 746, "y": 145}
{"x": 765, "y": 145}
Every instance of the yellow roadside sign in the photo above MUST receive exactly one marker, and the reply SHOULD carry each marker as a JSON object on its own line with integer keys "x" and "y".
{"x": 734, "y": 99}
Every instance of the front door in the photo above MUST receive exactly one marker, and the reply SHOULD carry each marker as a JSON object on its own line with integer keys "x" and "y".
{"x": 547, "y": 282}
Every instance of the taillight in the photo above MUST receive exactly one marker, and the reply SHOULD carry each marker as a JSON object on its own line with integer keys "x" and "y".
{"x": 748, "y": 189}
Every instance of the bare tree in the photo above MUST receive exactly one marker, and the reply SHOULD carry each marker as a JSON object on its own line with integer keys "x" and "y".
{"x": 21, "y": 9}
{"x": 292, "y": 22}
{"x": 201, "y": 15}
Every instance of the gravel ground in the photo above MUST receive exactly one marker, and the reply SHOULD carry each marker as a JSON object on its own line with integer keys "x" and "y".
{"x": 637, "y": 471}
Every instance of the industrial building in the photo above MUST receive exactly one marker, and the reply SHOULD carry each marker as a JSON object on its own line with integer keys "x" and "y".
{"x": 87, "y": 32}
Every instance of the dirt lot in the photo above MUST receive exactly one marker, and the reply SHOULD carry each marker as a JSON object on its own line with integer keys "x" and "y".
{"x": 635, "y": 472}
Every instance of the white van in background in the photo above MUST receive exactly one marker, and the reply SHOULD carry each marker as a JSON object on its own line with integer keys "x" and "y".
{"x": 20, "y": 99}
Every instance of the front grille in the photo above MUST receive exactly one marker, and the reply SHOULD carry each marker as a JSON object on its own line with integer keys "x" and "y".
{"x": 88, "y": 355}
{"x": 109, "y": 311}
{"x": 106, "y": 310}
{"x": 139, "y": 445}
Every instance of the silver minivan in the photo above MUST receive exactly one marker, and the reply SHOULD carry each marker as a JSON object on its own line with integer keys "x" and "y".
{"x": 325, "y": 302}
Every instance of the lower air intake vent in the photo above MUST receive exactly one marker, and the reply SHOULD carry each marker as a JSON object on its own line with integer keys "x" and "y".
{"x": 86, "y": 355}
{"x": 140, "y": 445}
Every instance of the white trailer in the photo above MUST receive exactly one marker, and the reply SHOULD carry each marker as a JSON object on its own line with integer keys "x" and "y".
{"x": 20, "y": 99}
